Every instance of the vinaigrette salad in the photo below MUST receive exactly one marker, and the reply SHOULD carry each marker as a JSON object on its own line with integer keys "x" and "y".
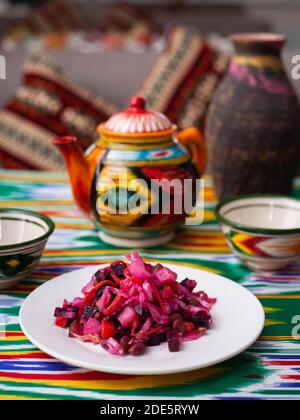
{"x": 130, "y": 306}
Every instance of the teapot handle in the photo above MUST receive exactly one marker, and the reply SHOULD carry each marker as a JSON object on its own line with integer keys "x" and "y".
{"x": 192, "y": 139}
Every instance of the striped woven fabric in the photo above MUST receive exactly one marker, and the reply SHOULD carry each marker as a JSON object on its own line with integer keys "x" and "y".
{"x": 183, "y": 80}
{"x": 47, "y": 105}
{"x": 270, "y": 369}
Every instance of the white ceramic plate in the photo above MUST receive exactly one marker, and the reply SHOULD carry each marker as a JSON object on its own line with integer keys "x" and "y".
{"x": 238, "y": 321}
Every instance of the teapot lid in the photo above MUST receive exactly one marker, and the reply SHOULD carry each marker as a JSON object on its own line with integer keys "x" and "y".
{"x": 137, "y": 119}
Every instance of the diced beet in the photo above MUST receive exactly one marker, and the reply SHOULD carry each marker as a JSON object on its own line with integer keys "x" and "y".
{"x": 189, "y": 284}
{"x": 77, "y": 302}
{"x": 66, "y": 304}
{"x": 70, "y": 313}
{"x": 166, "y": 276}
{"x": 174, "y": 344}
{"x": 127, "y": 317}
{"x": 173, "y": 338}
{"x": 153, "y": 341}
{"x": 202, "y": 320}
{"x": 92, "y": 326}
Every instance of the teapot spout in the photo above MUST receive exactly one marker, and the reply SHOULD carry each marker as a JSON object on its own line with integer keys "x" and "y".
{"x": 79, "y": 171}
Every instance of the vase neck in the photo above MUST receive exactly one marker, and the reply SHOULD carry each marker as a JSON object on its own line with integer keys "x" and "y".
{"x": 258, "y": 44}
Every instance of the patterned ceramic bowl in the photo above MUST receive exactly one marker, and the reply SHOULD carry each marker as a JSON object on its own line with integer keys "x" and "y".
{"x": 23, "y": 237}
{"x": 264, "y": 231}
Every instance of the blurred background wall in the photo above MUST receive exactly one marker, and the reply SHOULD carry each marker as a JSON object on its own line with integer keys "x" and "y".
{"x": 106, "y": 72}
{"x": 116, "y": 49}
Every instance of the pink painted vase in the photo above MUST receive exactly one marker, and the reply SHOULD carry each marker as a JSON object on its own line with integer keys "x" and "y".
{"x": 253, "y": 128}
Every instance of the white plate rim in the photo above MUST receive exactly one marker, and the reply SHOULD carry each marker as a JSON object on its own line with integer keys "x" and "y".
{"x": 85, "y": 365}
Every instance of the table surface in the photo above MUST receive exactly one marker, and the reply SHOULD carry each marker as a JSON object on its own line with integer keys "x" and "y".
{"x": 269, "y": 369}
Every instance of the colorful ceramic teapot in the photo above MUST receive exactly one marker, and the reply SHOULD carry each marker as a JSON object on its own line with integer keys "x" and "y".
{"x": 136, "y": 148}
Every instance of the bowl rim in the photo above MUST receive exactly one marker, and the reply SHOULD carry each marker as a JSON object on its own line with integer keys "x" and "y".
{"x": 251, "y": 229}
{"x": 46, "y": 219}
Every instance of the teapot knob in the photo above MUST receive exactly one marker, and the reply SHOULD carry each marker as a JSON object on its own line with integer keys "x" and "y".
{"x": 138, "y": 103}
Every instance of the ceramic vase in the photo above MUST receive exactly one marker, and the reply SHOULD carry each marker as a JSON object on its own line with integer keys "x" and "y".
{"x": 253, "y": 130}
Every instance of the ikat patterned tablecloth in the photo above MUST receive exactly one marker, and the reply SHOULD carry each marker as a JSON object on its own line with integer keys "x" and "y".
{"x": 270, "y": 369}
